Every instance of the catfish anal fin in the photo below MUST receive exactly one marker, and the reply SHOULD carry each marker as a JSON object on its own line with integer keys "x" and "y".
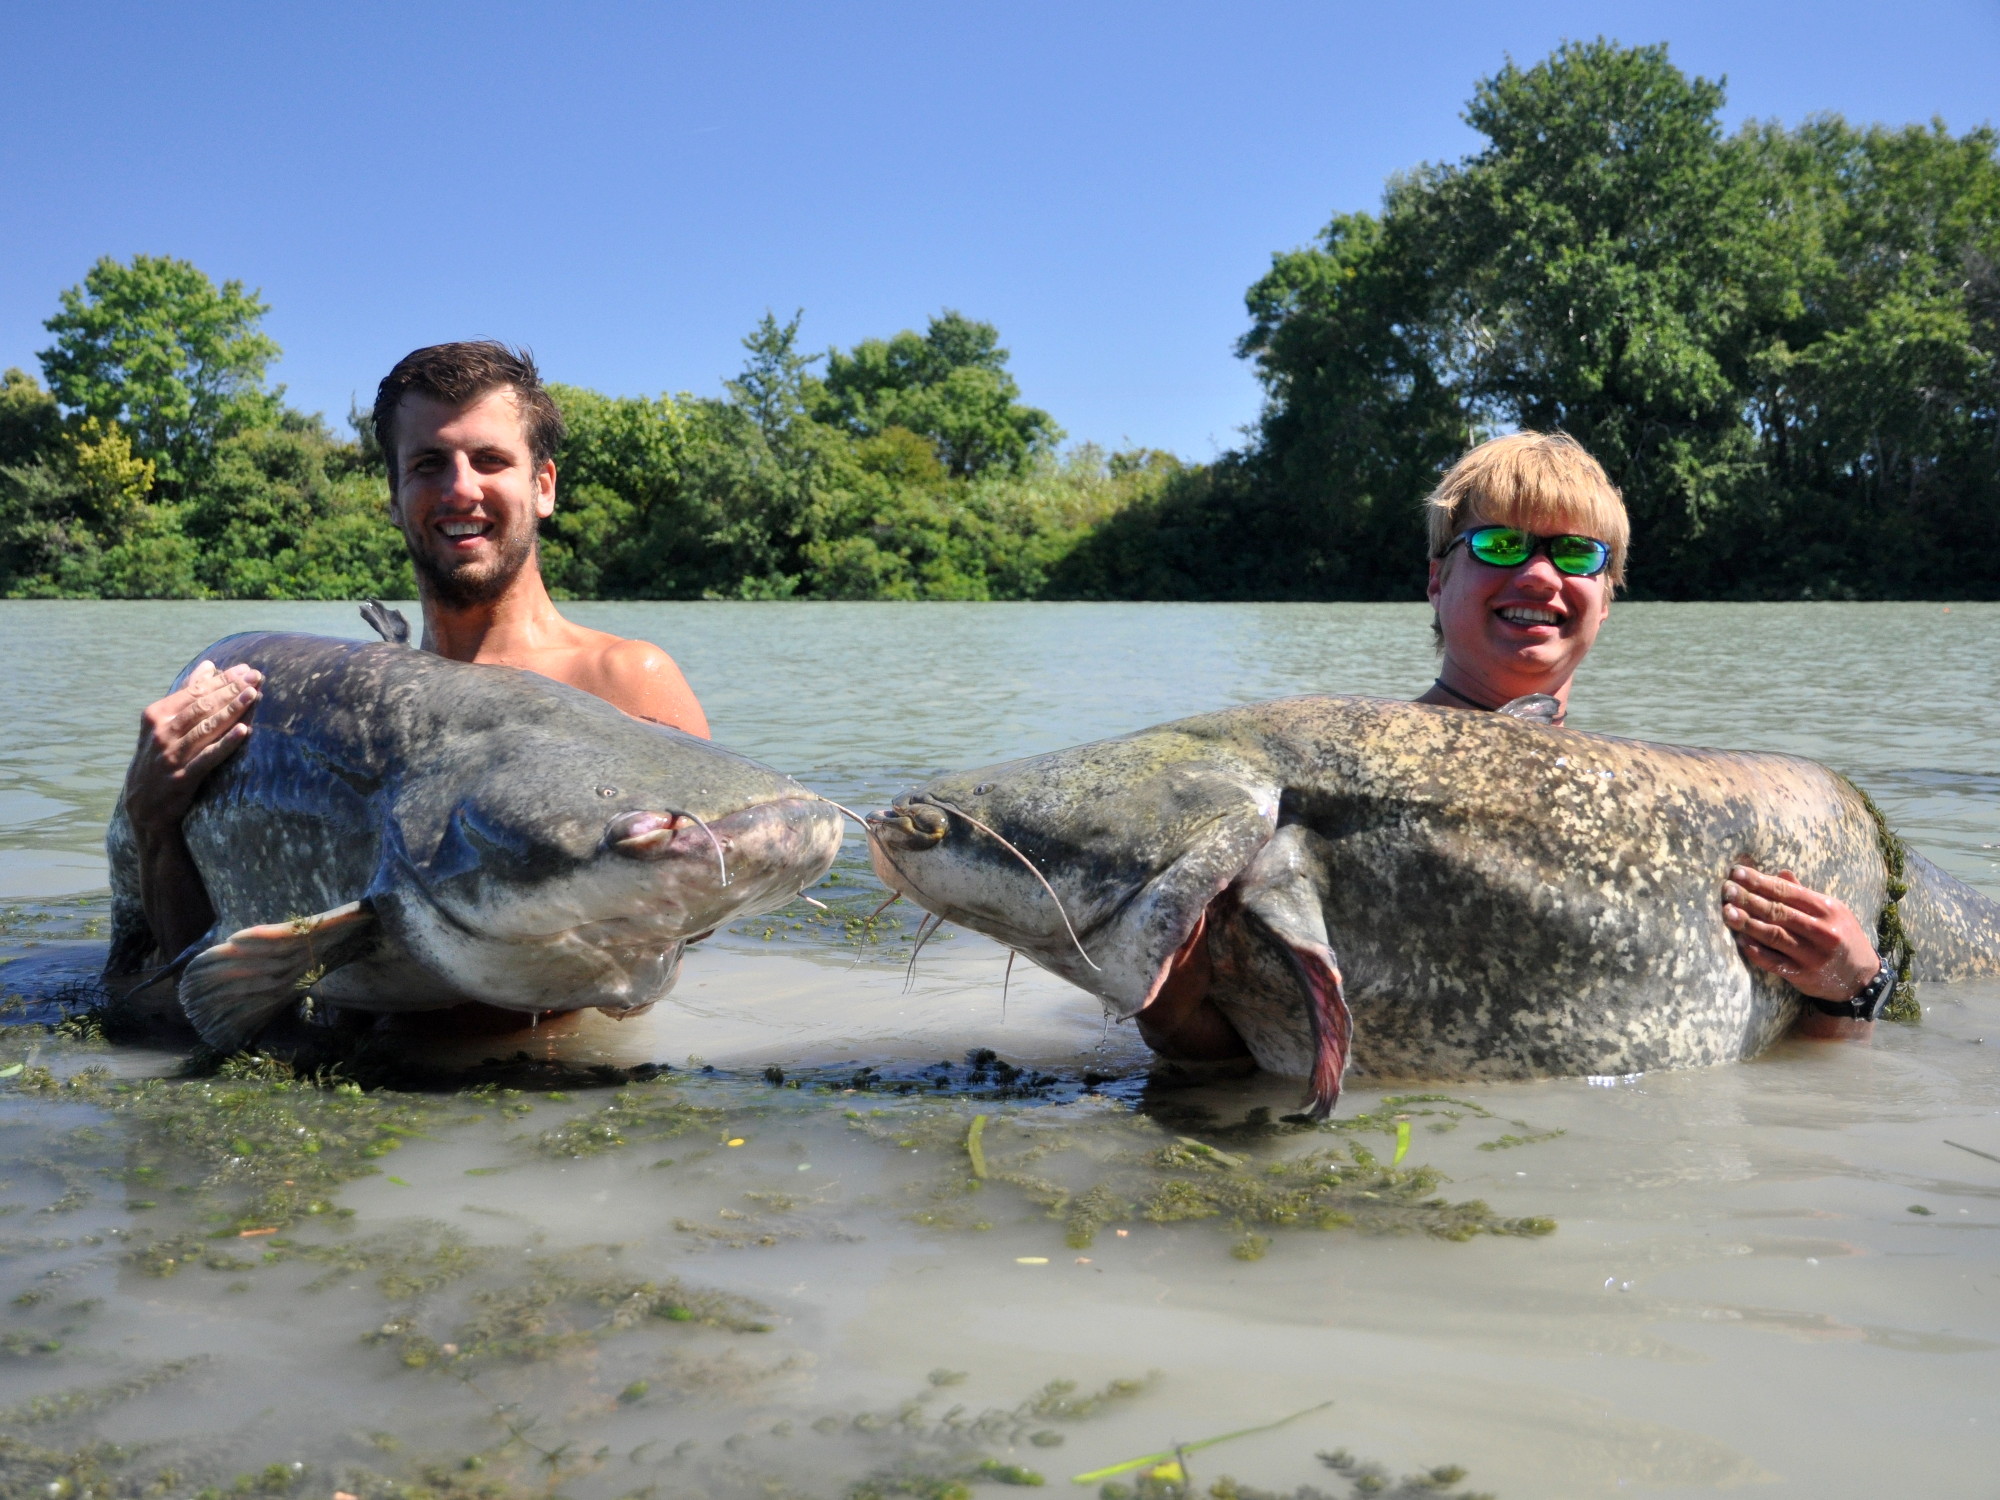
{"x": 231, "y": 991}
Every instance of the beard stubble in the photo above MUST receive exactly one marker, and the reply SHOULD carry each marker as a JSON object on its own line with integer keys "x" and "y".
{"x": 469, "y": 584}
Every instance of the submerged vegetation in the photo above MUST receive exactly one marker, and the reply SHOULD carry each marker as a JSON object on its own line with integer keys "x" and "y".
{"x": 1783, "y": 343}
{"x": 567, "y": 1367}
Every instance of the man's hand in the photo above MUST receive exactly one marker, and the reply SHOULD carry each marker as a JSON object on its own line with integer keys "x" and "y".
{"x": 182, "y": 738}
{"x": 1811, "y": 941}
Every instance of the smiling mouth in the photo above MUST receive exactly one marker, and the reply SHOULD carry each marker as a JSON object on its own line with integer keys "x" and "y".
{"x": 460, "y": 531}
{"x": 1524, "y": 614}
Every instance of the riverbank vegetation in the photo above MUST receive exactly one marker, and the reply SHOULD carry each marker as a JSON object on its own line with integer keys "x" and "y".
{"x": 1784, "y": 344}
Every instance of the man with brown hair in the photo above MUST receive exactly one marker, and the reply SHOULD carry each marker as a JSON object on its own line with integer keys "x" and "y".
{"x": 469, "y": 436}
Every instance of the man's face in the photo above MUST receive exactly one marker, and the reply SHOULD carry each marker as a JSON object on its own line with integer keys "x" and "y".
{"x": 468, "y": 494}
{"x": 1516, "y": 630}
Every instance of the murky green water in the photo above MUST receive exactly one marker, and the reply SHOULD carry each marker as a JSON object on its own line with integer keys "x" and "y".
{"x": 593, "y": 1292}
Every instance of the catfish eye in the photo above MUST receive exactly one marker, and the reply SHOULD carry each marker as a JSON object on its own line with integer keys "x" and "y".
{"x": 607, "y": 791}
{"x": 982, "y": 789}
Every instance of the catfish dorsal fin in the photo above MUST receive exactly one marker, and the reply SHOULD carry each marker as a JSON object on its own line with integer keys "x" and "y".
{"x": 236, "y": 988}
{"x": 1283, "y": 893}
{"x": 386, "y": 622}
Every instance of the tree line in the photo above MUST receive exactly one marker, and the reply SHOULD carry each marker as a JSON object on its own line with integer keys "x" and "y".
{"x": 1783, "y": 343}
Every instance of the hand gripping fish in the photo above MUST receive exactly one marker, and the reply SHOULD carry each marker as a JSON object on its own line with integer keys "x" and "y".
{"x": 402, "y": 832}
{"x": 1427, "y": 892}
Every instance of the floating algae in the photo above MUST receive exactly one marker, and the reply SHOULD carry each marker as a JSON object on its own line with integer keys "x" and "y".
{"x": 1105, "y": 1166}
{"x": 566, "y": 1303}
{"x": 237, "y": 1177}
{"x": 1179, "y": 1451}
{"x": 634, "y": 1113}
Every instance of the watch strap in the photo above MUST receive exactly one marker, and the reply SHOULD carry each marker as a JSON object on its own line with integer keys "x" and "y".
{"x": 1866, "y": 1003}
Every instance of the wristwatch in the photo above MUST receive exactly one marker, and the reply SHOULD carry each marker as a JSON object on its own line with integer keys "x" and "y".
{"x": 1867, "y": 1002}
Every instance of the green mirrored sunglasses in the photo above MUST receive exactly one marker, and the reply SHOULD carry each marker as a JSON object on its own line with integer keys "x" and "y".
{"x": 1509, "y": 547}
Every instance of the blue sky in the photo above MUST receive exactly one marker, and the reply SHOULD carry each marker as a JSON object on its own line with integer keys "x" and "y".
{"x": 626, "y": 188}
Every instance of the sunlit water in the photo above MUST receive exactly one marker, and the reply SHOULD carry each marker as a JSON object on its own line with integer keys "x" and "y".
{"x": 1741, "y": 1287}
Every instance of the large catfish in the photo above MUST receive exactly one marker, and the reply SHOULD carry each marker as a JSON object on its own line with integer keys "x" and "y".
{"x": 402, "y": 832}
{"x": 1439, "y": 893}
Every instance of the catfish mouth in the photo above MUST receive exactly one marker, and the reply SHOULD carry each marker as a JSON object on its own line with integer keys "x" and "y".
{"x": 779, "y": 826}
{"x": 745, "y": 856}
{"x": 1163, "y": 935}
{"x": 909, "y": 826}
{"x": 915, "y": 824}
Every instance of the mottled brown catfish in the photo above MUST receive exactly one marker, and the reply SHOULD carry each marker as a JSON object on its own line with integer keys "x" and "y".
{"x": 1488, "y": 897}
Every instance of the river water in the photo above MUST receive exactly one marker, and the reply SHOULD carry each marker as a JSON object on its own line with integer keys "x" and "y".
{"x": 1785, "y": 1272}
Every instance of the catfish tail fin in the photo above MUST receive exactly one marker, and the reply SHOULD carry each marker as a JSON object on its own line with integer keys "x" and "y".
{"x": 1953, "y": 930}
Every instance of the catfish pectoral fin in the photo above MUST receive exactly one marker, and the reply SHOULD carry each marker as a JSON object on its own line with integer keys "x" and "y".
{"x": 1283, "y": 895}
{"x": 1332, "y": 1024}
{"x": 233, "y": 990}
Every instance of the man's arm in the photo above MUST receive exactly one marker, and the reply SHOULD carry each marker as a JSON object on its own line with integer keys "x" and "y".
{"x": 1809, "y": 940}
{"x": 182, "y": 737}
{"x": 640, "y": 678}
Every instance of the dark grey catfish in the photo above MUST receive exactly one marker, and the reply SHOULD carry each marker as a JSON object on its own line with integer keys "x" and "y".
{"x": 1488, "y": 897}
{"x": 403, "y": 832}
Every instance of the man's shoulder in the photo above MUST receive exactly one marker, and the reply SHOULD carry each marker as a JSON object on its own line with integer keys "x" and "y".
{"x": 643, "y": 680}
{"x": 628, "y": 653}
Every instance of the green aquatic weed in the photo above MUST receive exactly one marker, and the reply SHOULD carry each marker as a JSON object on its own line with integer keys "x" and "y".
{"x": 1102, "y": 1168}
{"x": 565, "y": 1302}
{"x": 637, "y": 1112}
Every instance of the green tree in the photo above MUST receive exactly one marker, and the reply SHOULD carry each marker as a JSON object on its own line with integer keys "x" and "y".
{"x": 619, "y": 469}
{"x": 1358, "y": 420}
{"x": 949, "y": 385}
{"x": 1874, "y": 401}
{"x": 289, "y": 512}
{"x": 30, "y": 421}
{"x": 78, "y": 523}
{"x": 1608, "y": 271}
{"x": 1780, "y": 344}
{"x": 158, "y": 348}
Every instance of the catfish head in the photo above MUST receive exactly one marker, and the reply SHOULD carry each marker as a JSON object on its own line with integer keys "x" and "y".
{"x": 1121, "y": 866}
{"x": 620, "y": 837}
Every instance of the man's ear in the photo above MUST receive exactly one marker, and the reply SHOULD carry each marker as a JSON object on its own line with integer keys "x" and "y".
{"x": 1436, "y": 584}
{"x": 545, "y": 489}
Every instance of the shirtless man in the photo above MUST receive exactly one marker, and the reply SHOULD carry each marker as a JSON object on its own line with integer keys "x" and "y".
{"x": 469, "y": 437}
